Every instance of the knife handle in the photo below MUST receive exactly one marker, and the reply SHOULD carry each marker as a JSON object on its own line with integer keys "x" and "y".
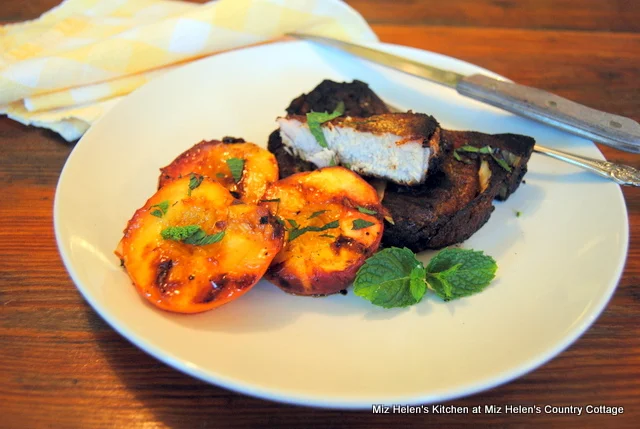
{"x": 601, "y": 127}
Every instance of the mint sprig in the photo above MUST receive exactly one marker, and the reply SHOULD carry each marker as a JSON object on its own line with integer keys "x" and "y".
{"x": 316, "y": 119}
{"x": 395, "y": 278}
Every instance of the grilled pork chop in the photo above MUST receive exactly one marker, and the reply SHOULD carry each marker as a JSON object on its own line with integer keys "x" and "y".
{"x": 453, "y": 203}
{"x": 401, "y": 147}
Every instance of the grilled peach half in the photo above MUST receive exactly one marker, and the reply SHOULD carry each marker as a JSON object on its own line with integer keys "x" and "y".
{"x": 334, "y": 222}
{"x": 245, "y": 169}
{"x": 193, "y": 246}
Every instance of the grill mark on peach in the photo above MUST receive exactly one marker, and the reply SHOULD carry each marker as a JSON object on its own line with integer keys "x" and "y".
{"x": 278, "y": 274}
{"x": 162, "y": 272}
{"x": 244, "y": 281}
{"x": 278, "y": 229}
{"x": 350, "y": 244}
{"x": 210, "y": 294}
{"x": 218, "y": 285}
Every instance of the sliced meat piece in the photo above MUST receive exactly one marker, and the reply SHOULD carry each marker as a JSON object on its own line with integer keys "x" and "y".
{"x": 359, "y": 100}
{"x": 400, "y": 147}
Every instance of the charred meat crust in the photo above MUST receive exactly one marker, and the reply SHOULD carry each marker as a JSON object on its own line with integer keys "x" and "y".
{"x": 410, "y": 126}
{"x": 358, "y": 98}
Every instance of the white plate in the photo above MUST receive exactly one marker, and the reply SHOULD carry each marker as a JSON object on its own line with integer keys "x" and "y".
{"x": 559, "y": 262}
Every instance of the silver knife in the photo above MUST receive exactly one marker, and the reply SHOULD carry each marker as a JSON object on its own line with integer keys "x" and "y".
{"x": 601, "y": 127}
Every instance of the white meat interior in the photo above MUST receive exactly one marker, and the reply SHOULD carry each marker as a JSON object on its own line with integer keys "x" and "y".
{"x": 378, "y": 155}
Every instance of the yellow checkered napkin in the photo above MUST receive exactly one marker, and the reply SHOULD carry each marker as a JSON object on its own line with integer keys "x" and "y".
{"x": 67, "y": 68}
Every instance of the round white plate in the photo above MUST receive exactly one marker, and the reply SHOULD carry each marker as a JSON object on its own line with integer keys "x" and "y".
{"x": 559, "y": 261}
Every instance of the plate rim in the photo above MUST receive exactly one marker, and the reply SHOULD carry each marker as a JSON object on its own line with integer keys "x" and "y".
{"x": 285, "y": 396}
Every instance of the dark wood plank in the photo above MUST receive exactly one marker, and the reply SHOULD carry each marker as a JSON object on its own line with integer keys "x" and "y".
{"x": 619, "y": 16}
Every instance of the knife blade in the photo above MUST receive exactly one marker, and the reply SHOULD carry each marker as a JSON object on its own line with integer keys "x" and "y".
{"x": 613, "y": 130}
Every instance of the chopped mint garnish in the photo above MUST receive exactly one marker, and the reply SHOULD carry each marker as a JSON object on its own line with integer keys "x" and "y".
{"x": 194, "y": 181}
{"x": 316, "y": 214}
{"x": 297, "y": 232}
{"x": 361, "y": 223}
{"x": 236, "y": 165}
{"x": 316, "y": 119}
{"x": 367, "y": 211}
{"x": 161, "y": 208}
{"x": 191, "y": 234}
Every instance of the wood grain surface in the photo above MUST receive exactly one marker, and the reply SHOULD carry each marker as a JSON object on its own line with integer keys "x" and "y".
{"x": 63, "y": 367}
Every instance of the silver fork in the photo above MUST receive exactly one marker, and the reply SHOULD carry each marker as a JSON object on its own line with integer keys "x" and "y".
{"x": 619, "y": 173}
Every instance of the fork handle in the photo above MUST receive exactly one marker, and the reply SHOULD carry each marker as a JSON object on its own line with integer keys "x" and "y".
{"x": 619, "y": 173}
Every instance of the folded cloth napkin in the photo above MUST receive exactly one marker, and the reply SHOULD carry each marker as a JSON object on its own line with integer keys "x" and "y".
{"x": 66, "y": 69}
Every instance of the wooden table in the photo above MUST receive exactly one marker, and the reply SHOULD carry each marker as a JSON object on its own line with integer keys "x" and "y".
{"x": 63, "y": 367}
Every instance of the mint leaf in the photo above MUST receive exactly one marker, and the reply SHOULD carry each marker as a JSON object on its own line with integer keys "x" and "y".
{"x": 161, "y": 210}
{"x": 501, "y": 162}
{"x": 293, "y": 223}
{"x": 441, "y": 287}
{"x": 460, "y": 158}
{"x": 391, "y": 278}
{"x": 455, "y": 273}
{"x": 201, "y": 238}
{"x": 179, "y": 233}
{"x": 367, "y": 211}
{"x": 360, "y": 224}
{"x": 297, "y": 232}
{"x": 194, "y": 181}
{"x": 484, "y": 149}
{"x": 191, "y": 234}
{"x": 315, "y": 119}
{"x": 487, "y": 150}
{"x": 417, "y": 283}
{"x": 316, "y": 214}
{"x": 236, "y": 165}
